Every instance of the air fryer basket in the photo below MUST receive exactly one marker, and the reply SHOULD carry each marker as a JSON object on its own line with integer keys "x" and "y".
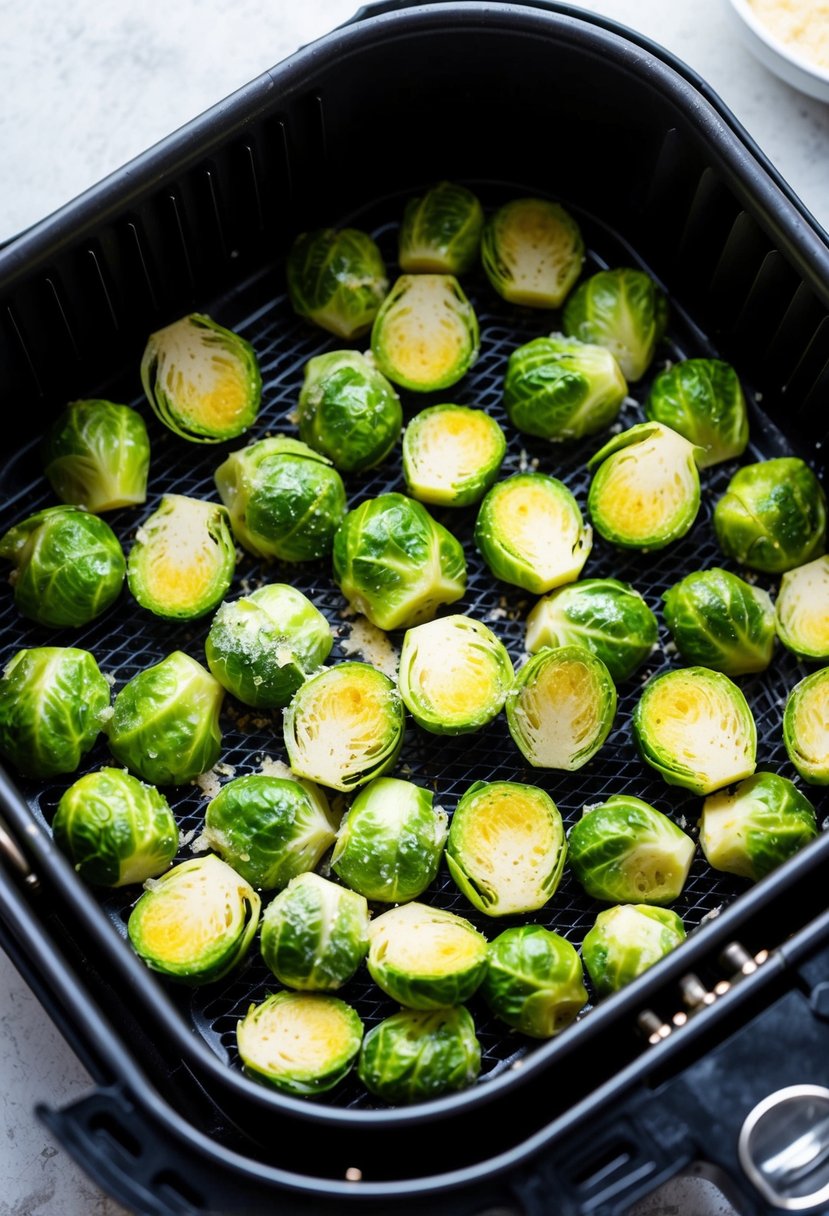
{"x": 512, "y": 101}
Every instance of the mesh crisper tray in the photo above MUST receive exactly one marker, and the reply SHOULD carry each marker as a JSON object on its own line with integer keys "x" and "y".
{"x": 127, "y": 639}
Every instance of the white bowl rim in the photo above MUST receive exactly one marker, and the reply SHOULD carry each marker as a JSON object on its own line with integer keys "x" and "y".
{"x": 745, "y": 11}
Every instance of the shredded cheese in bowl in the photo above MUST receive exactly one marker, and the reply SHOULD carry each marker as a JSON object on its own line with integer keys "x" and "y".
{"x": 801, "y": 25}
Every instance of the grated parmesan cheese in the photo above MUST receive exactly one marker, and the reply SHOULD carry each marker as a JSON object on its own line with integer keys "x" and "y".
{"x": 801, "y": 25}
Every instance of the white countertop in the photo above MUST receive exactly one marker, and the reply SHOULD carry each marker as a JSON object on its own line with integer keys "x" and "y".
{"x": 86, "y": 86}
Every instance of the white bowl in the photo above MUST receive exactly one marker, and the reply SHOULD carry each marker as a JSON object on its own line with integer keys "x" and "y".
{"x": 798, "y": 71}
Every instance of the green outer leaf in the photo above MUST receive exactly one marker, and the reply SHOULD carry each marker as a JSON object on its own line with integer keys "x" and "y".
{"x": 51, "y": 702}
{"x": 390, "y": 842}
{"x": 560, "y": 389}
{"x": 209, "y": 533}
{"x": 282, "y": 1075}
{"x": 804, "y": 727}
{"x": 526, "y": 225}
{"x": 625, "y": 941}
{"x": 621, "y": 309}
{"x": 441, "y": 231}
{"x": 772, "y": 516}
{"x": 114, "y": 829}
{"x": 801, "y": 614}
{"x": 97, "y": 455}
{"x": 413, "y": 1056}
{"x": 336, "y": 279}
{"x": 431, "y": 982}
{"x": 315, "y": 934}
{"x": 165, "y": 721}
{"x": 755, "y": 827}
{"x": 534, "y": 981}
{"x": 717, "y": 620}
{"x": 269, "y": 829}
{"x": 423, "y": 481}
{"x": 348, "y": 410}
{"x": 702, "y": 400}
{"x": 410, "y": 303}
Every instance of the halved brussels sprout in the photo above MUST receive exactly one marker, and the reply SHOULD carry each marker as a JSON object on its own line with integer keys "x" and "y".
{"x": 269, "y": 829}
{"x": 454, "y": 675}
{"x": 303, "y": 1043}
{"x": 625, "y": 941}
{"x": 202, "y": 380}
{"x": 694, "y": 727}
{"x": 52, "y": 704}
{"x": 97, "y": 455}
{"x": 348, "y": 410}
{"x": 413, "y": 1056}
{"x": 452, "y": 454}
{"x": 702, "y": 400}
{"x": 772, "y": 516}
{"x": 623, "y": 310}
{"x": 561, "y": 708}
{"x": 336, "y": 278}
{"x": 285, "y": 500}
{"x": 645, "y": 490}
{"x": 315, "y": 934}
{"x": 559, "y": 388}
{"x": 344, "y": 726}
{"x": 114, "y": 829}
{"x": 534, "y": 981}
{"x": 425, "y": 336}
{"x": 532, "y": 252}
{"x": 530, "y": 532}
{"x": 506, "y": 847}
{"x": 603, "y": 615}
{"x": 625, "y": 851}
{"x": 806, "y": 727}
{"x": 165, "y": 721}
{"x": 261, "y": 647}
{"x": 395, "y": 563}
{"x": 441, "y": 231}
{"x": 802, "y": 611}
{"x": 718, "y": 620}
{"x": 183, "y": 559}
{"x": 754, "y": 828}
{"x": 390, "y": 842}
{"x": 196, "y": 922}
{"x": 425, "y": 958}
{"x": 69, "y": 566}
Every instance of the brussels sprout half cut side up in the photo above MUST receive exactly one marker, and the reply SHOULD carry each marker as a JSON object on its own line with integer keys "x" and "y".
{"x": 441, "y": 231}
{"x": 261, "y": 647}
{"x": 395, "y": 563}
{"x": 413, "y": 1056}
{"x": 718, "y": 620}
{"x": 165, "y": 721}
{"x": 694, "y": 727}
{"x": 53, "y": 701}
{"x": 559, "y": 388}
{"x": 506, "y": 847}
{"x": 97, "y": 456}
{"x": 752, "y": 829}
{"x": 625, "y": 851}
{"x": 390, "y": 842}
{"x": 772, "y": 516}
{"x": 425, "y": 336}
{"x": 530, "y": 532}
{"x": 561, "y": 708}
{"x": 806, "y": 727}
{"x": 285, "y": 500}
{"x": 202, "y": 380}
{"x": 114, "y": 829}
{"x": 348, "y": 411}
{"x": 315, "y": 934}
{"x": 534, "y": 981}
{"x": 336, "y": 279}
{"x": 604, "y": 615}
{"x": 802, "y": 610}
{"x": 623, "y": 310}
{"x": 302, "y": 1043}
{"x": 183, "y": 559}
{"x": 452, "y": 454}
{"x": 454, "y": 675}
{"x": 196, "y": 922}
{"x": 645, "y": 490}
{"x": 269, "y": 829}
{"x": 702, "y": 400}
{"x": 69, "y": 566}
{"x": 532, "y": 252}
{"x": 625, "y": 941}
{"x": 425, "y": 958}
{"x": 344, "y": 726}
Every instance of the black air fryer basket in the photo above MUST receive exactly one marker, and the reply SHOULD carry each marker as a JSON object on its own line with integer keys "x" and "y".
{"x": 512, "y": 100}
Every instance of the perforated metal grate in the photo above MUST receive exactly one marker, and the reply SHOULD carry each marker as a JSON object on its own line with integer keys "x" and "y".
{"x": 127, "y": 639}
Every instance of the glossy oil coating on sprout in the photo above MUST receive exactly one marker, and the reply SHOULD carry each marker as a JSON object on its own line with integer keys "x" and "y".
{"x": 772, "y": 516}
{"x": 625, "y": 941}
{"x": 336, "y": 279}
{"x": 718, "y": 620}
{"x": 424, "y": 957}
{"x": 416, "y": 1055}
{"x": 623, "y": 310}
{"x": 441, "y": 231}
{"x": 753, "y": 828}
{"x": 97, "y": 455}
{"x": 702, "y": 400}
{"x": 534, "y": 981}
{"x": 560, "y": 388}
{"x": 315, "y": 934}
{"x": 302, "y": 1043}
